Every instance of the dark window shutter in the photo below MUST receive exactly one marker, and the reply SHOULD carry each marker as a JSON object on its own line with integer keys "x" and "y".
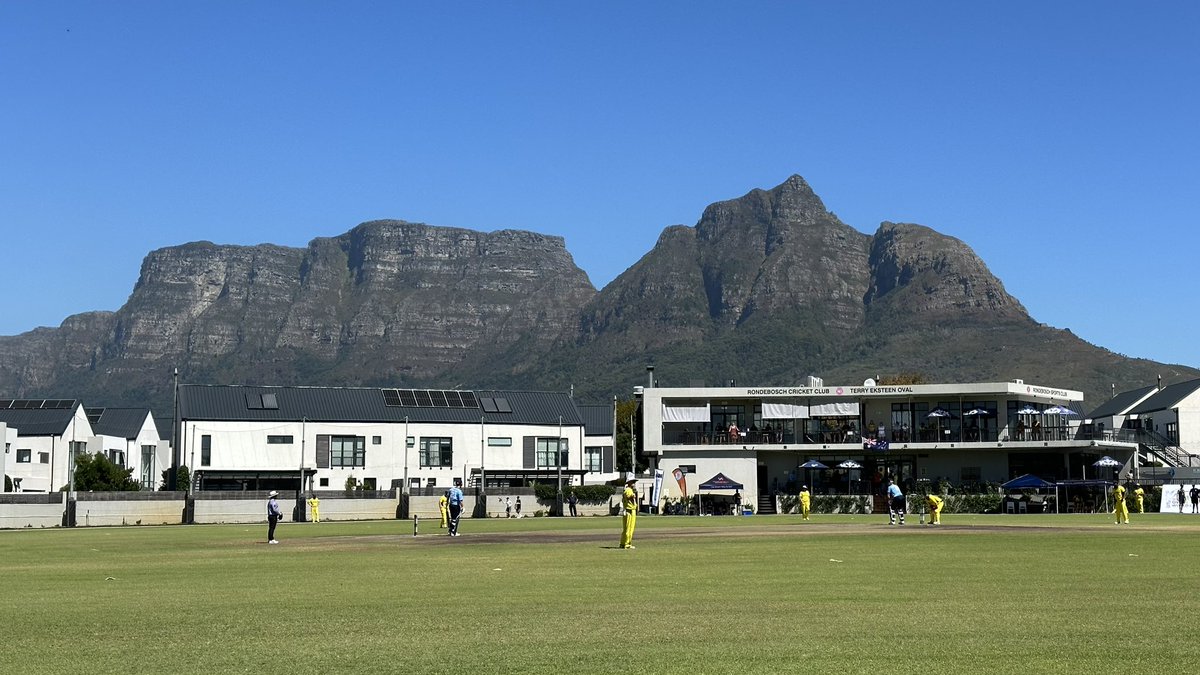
{"x": 322, "y": 451}
{"x": 530, "y": 452}
{"x": 608, "y": 457}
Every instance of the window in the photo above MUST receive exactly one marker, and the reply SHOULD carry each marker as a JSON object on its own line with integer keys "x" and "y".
{"x": 437, "y": 452}
{"x": 546, "y": 450}
{"x": 1173, "y": 432}
{"x": 24, "y": 456}
{"x": 206, "y": 450}
{"x": 78, "y": 447}
{"x": 117, "y": 457}
{"x": 279, "y": 440}
{"x": 148, "y": 467}
{"x": 377, "y": 440}
{"x": 410, "y": 442}
{"x": 348, "y": 451}
{"x": 324, "y": 482}
{"x": 970, "y": 474}
{"x": 593, "y": 459}
{"x": 43, "y": 458}
{"x": 499, "y": 442}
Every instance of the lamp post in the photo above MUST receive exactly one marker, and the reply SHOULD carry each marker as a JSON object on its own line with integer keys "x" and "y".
{"x": 482, "y": 463}
{"x": 558, "y": 498}
{"x": 406, "y": 454}
{"x": 300, "y": 485}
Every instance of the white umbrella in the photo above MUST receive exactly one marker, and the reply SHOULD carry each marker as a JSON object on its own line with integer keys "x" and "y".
{"x": 849, "y": 464}
{"x": 1106, "y": 461}
{"x": 1059, "y": 410}
{"x": 938, "y": 414}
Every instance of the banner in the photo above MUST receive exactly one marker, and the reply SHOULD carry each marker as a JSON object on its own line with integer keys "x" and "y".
{"x": 656, "y": 491}
{"x": 681, "y": 478}
{"x": 686, "y": 413}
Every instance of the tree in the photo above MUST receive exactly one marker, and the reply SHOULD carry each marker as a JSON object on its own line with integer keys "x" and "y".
{"x": 182, "y": 479}
{"x": 97, "y": 473}
{"x": 627, "y": 414}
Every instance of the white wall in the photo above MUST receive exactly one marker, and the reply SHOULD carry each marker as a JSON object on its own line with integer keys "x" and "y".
{"x": 243, "y": 446}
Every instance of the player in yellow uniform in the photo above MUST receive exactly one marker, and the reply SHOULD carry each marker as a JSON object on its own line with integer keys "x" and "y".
{"x": 444, "y": 506}
{"x": 1140, "y": 495}
{"x": 314, "y": 505}
{"x": 1121, "y": 511}
{"x": 629, "y": 520}
{"x": 935, "y": 504}
{"x": 805, "y": 501}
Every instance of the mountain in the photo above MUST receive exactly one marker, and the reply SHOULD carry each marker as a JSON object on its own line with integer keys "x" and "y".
{"x": 764, "y": 289}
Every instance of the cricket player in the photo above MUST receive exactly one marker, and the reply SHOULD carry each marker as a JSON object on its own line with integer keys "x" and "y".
{"x": 935, "y": 508}
{"x": 805, "y": 501}
{"x": 274, "y": 515}
{"x": 314, "y": 505}
{"x": 896, "y": 504}
{"x": 1121, "y": 511}
{"x": 1140, "y": 495}
{"x": 630, "y": 502}
{"x": 454, "y": 500}
{"x": 444, "y": 507}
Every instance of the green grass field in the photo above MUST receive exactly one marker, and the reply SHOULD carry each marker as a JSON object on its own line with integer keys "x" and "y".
{"x": 987, "y": 594}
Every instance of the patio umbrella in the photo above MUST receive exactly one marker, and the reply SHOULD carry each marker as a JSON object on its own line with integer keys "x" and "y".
{"x": 977, "y": 413}
{"x": 1061, "y": 411}
{"x": 1106, "y": 461}
{"x": 810, "y": 465}
{"x": 1027, "y": 411}
{"x": 849, "y": 464}
{"x": 937, "y": 414}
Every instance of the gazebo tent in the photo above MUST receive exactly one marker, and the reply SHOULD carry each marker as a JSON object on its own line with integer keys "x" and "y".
{"x": 718, "y": 482}
{"x": 1031, "y": 482}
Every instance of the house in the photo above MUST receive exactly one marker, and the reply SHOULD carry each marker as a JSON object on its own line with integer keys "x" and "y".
{"x": 129, "y": 438}
{"x": 49, "y": 433}
{"x": 331, "y": 438}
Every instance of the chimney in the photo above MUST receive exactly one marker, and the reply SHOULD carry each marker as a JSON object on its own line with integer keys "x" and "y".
{"x": 649, "y": 377}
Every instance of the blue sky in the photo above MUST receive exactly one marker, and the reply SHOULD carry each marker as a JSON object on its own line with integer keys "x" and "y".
{"x": 1059, "y": 140}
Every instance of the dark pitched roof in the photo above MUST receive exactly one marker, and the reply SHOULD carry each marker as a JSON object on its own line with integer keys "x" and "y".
{"x": 39, "y": 421}
{"x": 163, "y": 424}
{"x": 597, "y": 419}
{"x": 1118, "y": 404}
{"x": 117, "y": 422}
{"x": 362, "y": 404}
{"x": 1167, "y": 397}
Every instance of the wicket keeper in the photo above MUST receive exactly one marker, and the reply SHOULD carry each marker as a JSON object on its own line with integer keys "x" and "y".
{"x": 935, "y": 504}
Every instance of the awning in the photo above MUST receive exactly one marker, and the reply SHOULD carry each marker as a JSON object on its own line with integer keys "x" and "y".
{"x": 836, "y": 409}
{"x": 783, "y": 411}
{"x": 686, "y": 413}
{"x": 720, "y": 482}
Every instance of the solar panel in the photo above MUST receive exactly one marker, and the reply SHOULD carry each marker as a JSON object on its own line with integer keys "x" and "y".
{"x": 93, "y": 414}
{"x": 423, "y": 398}
{"x": 489, "y": 404}
{"x": 57, "y": 404}
{"x": 270, "y": 402}
{"x": 5, "y": 403}
{"x": 502, "y": 405}
{"x": 439, "y": 399}
{"x": 468, "y": 399}
{"x": 391, "y": 398}
{"x": 254, "y": 401}
{"x": 26, "y": 404}
{"x": 407, "y": 398}
{"x": 453, "y": 399}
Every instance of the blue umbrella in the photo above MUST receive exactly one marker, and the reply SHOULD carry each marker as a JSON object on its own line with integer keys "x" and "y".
{"x": 813, "y": 464}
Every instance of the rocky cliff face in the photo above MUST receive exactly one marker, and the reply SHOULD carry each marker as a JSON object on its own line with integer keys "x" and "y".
{"x": 765, "y": 288}
{"x": 387, "y": 302}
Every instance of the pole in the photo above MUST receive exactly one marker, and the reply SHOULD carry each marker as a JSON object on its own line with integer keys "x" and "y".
{"x": 300, "y": 485}
{"x": 172, "y": 475}
{"x": 482, "y": 470}
{"x": 558, "y": 499}
{"x": 406, "y": 454}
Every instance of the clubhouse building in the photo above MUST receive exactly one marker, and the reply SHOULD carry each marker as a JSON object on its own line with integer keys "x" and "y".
{"x": 965, "y": 433}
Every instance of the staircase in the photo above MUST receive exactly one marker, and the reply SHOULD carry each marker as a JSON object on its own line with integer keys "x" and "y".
{"x": 1156, "y": 447}
{"x": 766, "y": 505}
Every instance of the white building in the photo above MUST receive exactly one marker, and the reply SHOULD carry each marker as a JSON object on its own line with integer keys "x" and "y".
{"x": 129, "y": 438}
{"x": 48, "y": 431}
{"x": 962, "y": 433}
{"x": 258, "y": 438}
{"x": 1164, "y": 421}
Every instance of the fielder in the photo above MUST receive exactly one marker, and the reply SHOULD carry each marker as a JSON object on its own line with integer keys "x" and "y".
{"x": 896, "y": 504}
{"x": 314, "y": 505}
{"x": 444, "y": 507}
{"x": 805, "y": 501}
{"x": 1140, "y": 495}
{"x": 629, "y": 520}
{"x": 935, "y": 508}
{"x": 1119, "y": 508}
